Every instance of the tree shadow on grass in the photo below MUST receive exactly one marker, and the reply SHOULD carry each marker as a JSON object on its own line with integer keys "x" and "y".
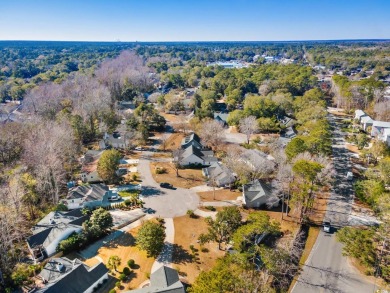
{"x": 181, "y": 255}
{"x": 126, "y": 239}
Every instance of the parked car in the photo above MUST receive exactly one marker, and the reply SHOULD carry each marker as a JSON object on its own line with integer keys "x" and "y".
{"x": 327, "y": 227}
{"x": 166, "y": 185}
{"x": 349, "y": 176}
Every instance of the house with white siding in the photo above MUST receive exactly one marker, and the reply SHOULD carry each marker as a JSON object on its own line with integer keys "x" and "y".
{"x": 51, "y": 230}
{"x": 89, "y": 163}
{"x": 381, "y": 130}
{"x": 89, "y": 196}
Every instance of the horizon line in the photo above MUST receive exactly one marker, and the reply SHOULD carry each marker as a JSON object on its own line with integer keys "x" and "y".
{"x": 214, "y": 41}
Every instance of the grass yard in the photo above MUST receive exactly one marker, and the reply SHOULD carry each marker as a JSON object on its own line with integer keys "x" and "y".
{"x": 311, "y": 239}
{"x": 222, "y": 194}
{"x": 124, "y": 247}
{"x": 171, "y": 117}
{"x": 182, "y": 256}
{"x": 187, "y": 177}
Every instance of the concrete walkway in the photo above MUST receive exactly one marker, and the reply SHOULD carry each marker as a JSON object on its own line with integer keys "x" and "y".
{"x": 205, "y": 214}
{"x": 165, "y": 257}
{"x": 203, "y": 188}
{"x": 225, "y": 203}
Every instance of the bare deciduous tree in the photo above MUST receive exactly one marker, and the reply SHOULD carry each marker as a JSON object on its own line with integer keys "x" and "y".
{"x": 248, "y": 126}
{"x": 212, "y": 133}
{"x": 49, "y": 152}
{"x": 382, "y": 111}
{"x": 164, "y": 140}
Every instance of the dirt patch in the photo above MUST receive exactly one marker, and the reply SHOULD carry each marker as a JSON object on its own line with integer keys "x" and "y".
{"x": 183, "y": 260}
{"x": 162, "y": 155}
{"x": 220, "y": 195}
{"x": 173, "y": 142}
{"x": 352, "y": 148}
{"x": 319, "y": 208}
{"x": 187, "y": 177}
{"x": 124, "y": 247}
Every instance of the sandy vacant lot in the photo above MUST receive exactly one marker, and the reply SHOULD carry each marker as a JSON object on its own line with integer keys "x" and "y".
{"x": 124, "y": 247}
{"x": 173, "y": 142}
{"x": 184, "y": 237}
{"x": 187, "y": 177}
{"x": 220, "y": 195}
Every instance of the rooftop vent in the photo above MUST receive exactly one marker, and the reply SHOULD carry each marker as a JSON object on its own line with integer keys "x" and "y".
{"x": 59, "y": 266}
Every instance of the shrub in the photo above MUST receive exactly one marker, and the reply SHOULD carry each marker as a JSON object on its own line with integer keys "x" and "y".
{"x": 74, "y": 242}
{"x": 160, "y": 220}
{"x": 61, "y": 207}
{"x": 161, "y": 170}
{"x": 204, "y": 249}
{"x": 191, "y": 214}
{"x": 127, "y": 202}
{"x": 131, "y": 263}
{"x": 147, "y": 275}
{"x": 126, "y": 271}
{"x": 122, "y": 277}
{"x": 118, "y": 284}
{"x": 134, "y": 177}
{"x": 112, "y": 291}
{"x": 210, "y": 208}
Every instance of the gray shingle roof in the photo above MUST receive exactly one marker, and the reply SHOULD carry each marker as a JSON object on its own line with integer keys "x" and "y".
{"x": 221, "y": 116}
{"x": 90, "y": 192}
{"x": 193, "y": 138}
{"x": 220, "y": 173}
{"x": 77, "y": 277}
{"x": 256, "y": 189}
{"x": 163, "y": 280}
{"x": 53, "y": 225}
{"x": 205, "y": 155}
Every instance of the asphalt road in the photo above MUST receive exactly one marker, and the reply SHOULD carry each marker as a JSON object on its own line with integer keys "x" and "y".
{"x": 326, "y": 269}
{"x": 166, "y": 203}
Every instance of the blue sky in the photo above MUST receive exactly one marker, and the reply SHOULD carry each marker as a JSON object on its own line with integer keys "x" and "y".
{"x": 195, "y": 20}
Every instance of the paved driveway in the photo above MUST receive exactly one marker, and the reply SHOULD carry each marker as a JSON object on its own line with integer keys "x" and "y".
{"x": 326, "y": 269}
{"x": 167, "y": 203}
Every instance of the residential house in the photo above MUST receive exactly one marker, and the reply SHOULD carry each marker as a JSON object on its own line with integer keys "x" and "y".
{"x": 89, "y": 166}
{"x": 194, "y": 156}
{"x": 386, "y": 136}
{"x": 381, "y": 130}
{"x": 365, "y": 122}
{"x": 89, "y": 196}
{"x": 191, "y": 140}
{"x": 359, "y": 114}
{"x": 62, "y": 275}
{"x": 219, "y": 174}
{"x": 289, "y": 132}
{"x": 221, "y": 118}
{"x": 258, "y": 193}
{"x": 286, "y": 121}
{"x": 116, "y": 140}
{"x": 51, "y": 230}
{"x": 164, "y": 280}
{"x": 258, "y": 160}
